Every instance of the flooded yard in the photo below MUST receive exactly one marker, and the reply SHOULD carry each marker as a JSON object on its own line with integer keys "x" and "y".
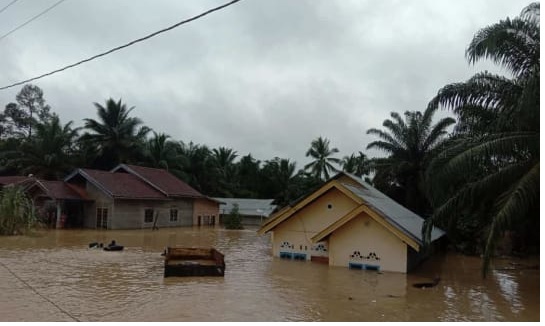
{"x": 54, "y": 276}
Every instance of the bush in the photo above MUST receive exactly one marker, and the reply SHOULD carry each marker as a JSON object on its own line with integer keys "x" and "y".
{"x": 234, "y": 221}
{"x": 17, "y": 213}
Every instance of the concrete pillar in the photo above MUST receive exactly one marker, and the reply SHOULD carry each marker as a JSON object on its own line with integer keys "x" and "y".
{"x": 58, "y": 222}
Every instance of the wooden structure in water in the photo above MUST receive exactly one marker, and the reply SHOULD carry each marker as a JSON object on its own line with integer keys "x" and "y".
{"x": 193, "y": 262}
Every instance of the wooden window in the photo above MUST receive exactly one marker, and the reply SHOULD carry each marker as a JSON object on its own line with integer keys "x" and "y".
{"x": 174, "y": 214}
{"x": 148, "y": 215}
{"x": 102, "y": 218}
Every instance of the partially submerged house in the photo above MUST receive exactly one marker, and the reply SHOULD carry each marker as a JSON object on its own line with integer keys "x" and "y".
{"x": 127, "y": 197}
{"x": 347, "y": 222}
{"x": 252, "y": 211}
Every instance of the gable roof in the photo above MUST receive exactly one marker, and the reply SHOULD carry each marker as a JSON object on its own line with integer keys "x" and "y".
{"x": 286, "y": 212}
{"x": 380, "y": 207}
{"x": 247, "y": 206}
{"x": 12, "y": 179}
{"x": 60, "y": 190}
{"x": 118, "y": 185}
{"x": 162, "y": 180}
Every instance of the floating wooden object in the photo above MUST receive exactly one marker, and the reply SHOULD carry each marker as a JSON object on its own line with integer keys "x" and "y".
{"x": 193, "y": 262}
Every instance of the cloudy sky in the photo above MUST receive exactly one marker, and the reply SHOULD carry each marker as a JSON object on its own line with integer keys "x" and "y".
{"x": 261, "y": 76}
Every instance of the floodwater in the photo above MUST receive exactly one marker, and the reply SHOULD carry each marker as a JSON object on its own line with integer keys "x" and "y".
{"x": 53, "y": 276}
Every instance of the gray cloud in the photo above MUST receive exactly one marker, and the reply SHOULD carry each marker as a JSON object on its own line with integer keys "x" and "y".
{"x": 264, "y": 77}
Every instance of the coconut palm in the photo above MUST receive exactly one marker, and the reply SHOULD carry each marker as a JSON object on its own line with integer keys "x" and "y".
{"x": 117, "y": 136}
{"x": 48, "y": 152}
{"x": 162, "y": 153}
{"x": 195, "y": 163}
{"x": 279, "y": 177}
{"x": 410, "y": 144}
{"x": 356, "y": 164}
{"x": 321, "y": 153}
{"x": 495, "y": 162}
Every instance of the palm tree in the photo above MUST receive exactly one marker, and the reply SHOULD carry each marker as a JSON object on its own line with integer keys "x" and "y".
{"x": 48, "y": 152}
{"x": 248, "y": 175}
{"x": 278, "y": 175}
{"x": 223, "y": 159}
{"x": 195, "y": 163}
{"x": 410, "y": 144}
{"x": 356, "y": 164}
{"x": 118, "y": 138}
{"x": 321, "y": 153}
{"x": 162, "y": 153}
{"x": 495, "y": 162}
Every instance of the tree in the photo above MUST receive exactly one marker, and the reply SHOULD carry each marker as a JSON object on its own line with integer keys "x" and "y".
{"x": 356, "y": 164}
{"x": 19, "y": 118}
{"x": 48, "y": 153}
{"x": 162, "y": 153}
{"x": 410, "y": 144}
{"x": 248, "y": 169}
{"x": 321, "y": 153}
{"x": 233, "y": 220}
{"x": 223, "y": 160}
{"x": 278, "y": 177}
{"x": 118, "y": 137}
{"x": 195, "y": 163}
{"x": 496, "y": 160}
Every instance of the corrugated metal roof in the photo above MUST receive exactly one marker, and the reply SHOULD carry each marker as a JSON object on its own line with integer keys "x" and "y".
{"x": 406, "y": 221}
{"x": 247, "y": 206}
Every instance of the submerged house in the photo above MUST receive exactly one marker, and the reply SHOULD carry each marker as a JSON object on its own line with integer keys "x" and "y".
{"x": 252, "y": 211}
{"x": 347, "y": 222}
{"x": 127, "y": 197}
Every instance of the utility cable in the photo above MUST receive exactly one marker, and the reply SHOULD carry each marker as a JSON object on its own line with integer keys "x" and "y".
{"x": 8, "y": 5}
{"x": 31, "y": 20}
{"x": 38, "y": 293}
{"x": 122, "y": 46}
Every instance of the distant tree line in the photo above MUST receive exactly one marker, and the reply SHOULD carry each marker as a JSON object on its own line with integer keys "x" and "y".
{"x": 478, "y": 182}
{"x": 34, "y": 141}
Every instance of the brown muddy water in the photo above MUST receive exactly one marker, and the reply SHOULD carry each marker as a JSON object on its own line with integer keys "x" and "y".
{"x": 54, "y": 276}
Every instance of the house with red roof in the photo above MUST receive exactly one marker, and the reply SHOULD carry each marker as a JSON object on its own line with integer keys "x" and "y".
{"x": 127, "y": 197}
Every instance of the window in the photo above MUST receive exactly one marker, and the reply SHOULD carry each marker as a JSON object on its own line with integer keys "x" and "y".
{"x": 174, "y": 215}
{"x": 102, "y": 218}
{"x": 148, "y": 215}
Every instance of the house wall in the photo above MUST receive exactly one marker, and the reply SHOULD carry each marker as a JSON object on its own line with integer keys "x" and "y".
{"x": 204, "y": 207}
{"x": 100, "y": 200}
{"x": 129, "y": 214}
{"x": 362, "y": 236}
{"x": 294, "y": 234}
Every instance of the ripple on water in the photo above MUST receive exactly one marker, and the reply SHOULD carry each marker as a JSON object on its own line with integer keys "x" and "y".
{"x": 94, "y": 285}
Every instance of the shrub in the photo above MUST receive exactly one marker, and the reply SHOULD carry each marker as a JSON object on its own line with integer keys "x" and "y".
{"x": 17, "y": 213}
{"x": 234, "y": 221}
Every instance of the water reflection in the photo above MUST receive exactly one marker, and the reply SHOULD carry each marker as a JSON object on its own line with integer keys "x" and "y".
{"x": 94, "y": 285}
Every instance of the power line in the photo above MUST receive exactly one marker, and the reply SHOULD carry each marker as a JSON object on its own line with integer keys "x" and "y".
{"x": 38, "y": 293}
{"x": 122, "y": 46}
{"x": 31, "y": 20}
{"x": 8, "y": 5}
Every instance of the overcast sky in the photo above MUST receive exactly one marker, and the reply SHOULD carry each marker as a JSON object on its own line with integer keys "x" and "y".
{"x": 261, "y": 76}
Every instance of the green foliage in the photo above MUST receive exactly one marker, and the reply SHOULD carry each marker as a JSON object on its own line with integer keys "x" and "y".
{"x": 323, "y": 162}
{"x": 410, "y": 144}
{"x": 48, "y": 153}
{"x": 18, "y": 119}
{"x": 116, "y": 137}
{"x": 233, "y": 221}
{"x": 17, "y": 213}
{"x": 357, "y": 165}
{"x": 494, "y": 157}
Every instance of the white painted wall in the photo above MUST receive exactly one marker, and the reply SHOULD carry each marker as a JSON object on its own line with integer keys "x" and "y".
{"x": 366, "y": 236}
{"x": 294, "y": 234}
